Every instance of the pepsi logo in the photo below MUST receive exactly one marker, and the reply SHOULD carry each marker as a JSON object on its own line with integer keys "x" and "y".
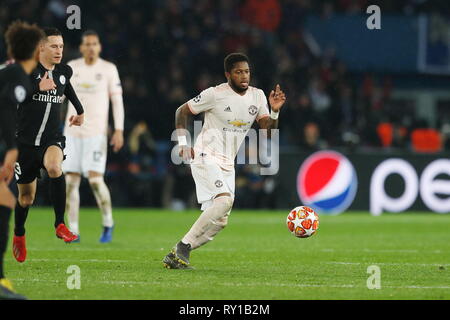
{"x": 327, "y": 182}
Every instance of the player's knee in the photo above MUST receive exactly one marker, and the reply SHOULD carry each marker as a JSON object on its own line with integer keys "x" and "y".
{"x": 26, "y": 200}
{"x": 72, "y": 182}
{"x": 95, "y": 183}
{"x": 224, "y": 203}
{"x": 53, "y": 169}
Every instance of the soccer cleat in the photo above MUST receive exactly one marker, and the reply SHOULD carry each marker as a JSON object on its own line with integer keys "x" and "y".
{"x": 7, "y": 291}
{"x": 106, "y": 236}
{"x": 78, "y": 239}
{"x": 19, "y": 248}
{"x": 178, "y": 257}
{"x": 63, "y": 233}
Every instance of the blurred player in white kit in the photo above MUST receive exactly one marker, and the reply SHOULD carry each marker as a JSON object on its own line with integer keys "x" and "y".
{"x": 96, "y": 83}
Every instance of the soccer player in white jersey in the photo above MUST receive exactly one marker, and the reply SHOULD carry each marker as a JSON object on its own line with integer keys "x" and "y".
{"x": 96, "y": 83}
{"x": 230, "y": 110}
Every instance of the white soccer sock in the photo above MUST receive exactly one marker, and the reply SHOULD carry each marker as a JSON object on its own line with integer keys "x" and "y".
{"x": 103, "y": 197}
{"x": 73, "y": 201}
{"x": 210, "y": 222}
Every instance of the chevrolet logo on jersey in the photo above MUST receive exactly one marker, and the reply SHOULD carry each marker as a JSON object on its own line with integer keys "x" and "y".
{"x": 86, "y": 85}
{"x": 238, "y": 123}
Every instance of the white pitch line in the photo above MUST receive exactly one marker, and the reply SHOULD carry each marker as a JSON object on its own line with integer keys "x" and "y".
{"x": 76, "y": 260}
{"x": 240, "y": 250}
{"x": 381, "y": 250}
{"x": 326, "y": 262}
{"x": 390, "y": 263}
{"x": 236, "y": 284}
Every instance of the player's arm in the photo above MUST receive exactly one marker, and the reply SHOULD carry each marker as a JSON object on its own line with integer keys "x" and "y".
{"x": 205, "y": 101}
{"x": 69, "y": 92}
{"x": 12, "y": 95}
{"x": 77, "y": 120}
{"x": 8, "y": 125}
{"x": 115, "y": 92}
{"x": 277, "y": 99}
{"x": 183, "y": 117}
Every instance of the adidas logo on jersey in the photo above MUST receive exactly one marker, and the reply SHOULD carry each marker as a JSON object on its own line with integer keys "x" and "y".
{"x": 227, "y": 109}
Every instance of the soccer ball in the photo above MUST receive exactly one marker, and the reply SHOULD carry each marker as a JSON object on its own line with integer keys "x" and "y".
{"x": 302, "y": 222}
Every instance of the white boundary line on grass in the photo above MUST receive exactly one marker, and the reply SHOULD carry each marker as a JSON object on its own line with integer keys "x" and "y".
{"x": 235, "y": 284}
{"x": 76, "y": 260}
{"x": 326, "y": 262}
{"x": 247, "y": 250}
{"x": 381, "y": 250}
{"x": 391, "y": 263}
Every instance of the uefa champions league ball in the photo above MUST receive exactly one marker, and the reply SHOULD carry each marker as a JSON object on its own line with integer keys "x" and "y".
{"x": 302, "y": 222}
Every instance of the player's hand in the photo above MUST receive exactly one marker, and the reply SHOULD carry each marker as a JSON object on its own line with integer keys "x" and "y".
{"x": 7, "y": 170}
{"x": 76, "y": 120}
{"x": 277, "y": 99}
{"x": 6, "y": 174}
{"x": 46, "y": 83}
{"x": 186, "y": 153}
{"x": 117, "y": 140}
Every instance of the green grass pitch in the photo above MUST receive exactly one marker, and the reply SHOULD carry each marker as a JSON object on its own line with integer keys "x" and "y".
{"x": 255, "y": 257}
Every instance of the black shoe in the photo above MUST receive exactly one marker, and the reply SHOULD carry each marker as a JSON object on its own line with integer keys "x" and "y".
{"x": 178, "y": 257}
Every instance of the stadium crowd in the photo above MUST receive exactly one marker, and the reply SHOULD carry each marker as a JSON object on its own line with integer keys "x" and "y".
{"x": 168, "y": 51}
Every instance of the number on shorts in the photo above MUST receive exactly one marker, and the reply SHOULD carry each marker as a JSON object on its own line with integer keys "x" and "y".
{"x": 97, "y": 156}
{"x": 17, "y": 171}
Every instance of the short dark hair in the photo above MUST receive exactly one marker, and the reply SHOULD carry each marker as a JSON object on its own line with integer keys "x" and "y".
{"x": 22, "y": 40}
{"x": 233, "y": 58}
{"x": 90, "y": 32}
{"x": 49, "y": 31}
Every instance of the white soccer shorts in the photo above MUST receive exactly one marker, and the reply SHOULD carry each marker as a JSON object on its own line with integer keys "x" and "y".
{"x": 210, "y": 180}
{"x": 85, "y": 154}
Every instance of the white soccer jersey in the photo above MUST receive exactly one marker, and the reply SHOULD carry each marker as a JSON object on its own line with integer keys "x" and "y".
{"x": 95, "y": 85}
{"x": 228, "y": 117}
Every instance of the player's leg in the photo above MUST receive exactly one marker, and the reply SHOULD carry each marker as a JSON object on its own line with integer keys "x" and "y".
{"x": 7, "y": 203}
{"x": 103, "y": 198}
{"x": 72, "y": 167}
{"x": 27, "y": 193}
{"x": 211, "y": 186}
{"x": 210, "y": 222}
{"x": 94, "y": 162}
{"x": 53, "y": 158}
{"x": 221, "y": 222}
{"x": 73, "y": 181}
{"x": 212, "y": 182}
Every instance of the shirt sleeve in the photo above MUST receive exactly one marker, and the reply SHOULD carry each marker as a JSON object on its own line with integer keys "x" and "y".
{"x": 114, "y": 84}
{"x": 205, "y": 101}
{"x": 68, "y": 71}
{"x": 17, "y": 90}
{"x": 72, "y": 96}
{"x": 118, "y": 111}
{"x": 8, "y": 125}
{"x": 263, "y": 107}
